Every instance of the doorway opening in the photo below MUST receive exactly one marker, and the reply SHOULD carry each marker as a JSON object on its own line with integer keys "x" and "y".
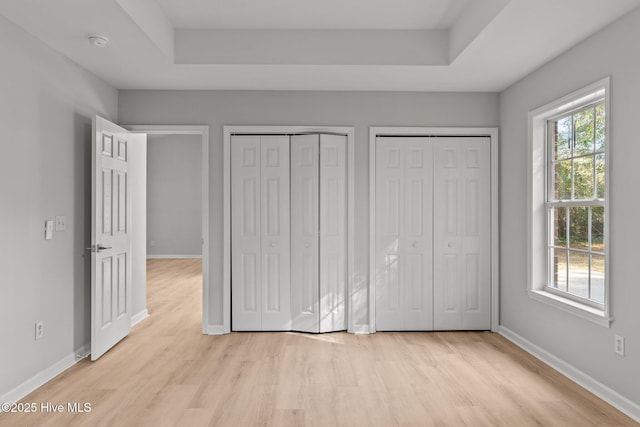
{"x": 174, "y": 208}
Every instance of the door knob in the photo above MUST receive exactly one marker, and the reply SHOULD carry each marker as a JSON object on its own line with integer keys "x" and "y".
{"x": 306, "y": 244}
{"x": 273, "y": 245}
{"x": 415, "y": 244}
{"x": 98, "y": 248}
{"x": 450, "y": 245}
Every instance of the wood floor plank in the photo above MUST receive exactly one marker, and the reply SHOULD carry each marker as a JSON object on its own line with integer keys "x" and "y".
{"x": 167, "y": 373}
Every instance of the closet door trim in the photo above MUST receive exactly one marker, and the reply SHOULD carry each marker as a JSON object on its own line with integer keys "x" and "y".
{"x": 220, "y": 304}
{"x": 492, "y": 133}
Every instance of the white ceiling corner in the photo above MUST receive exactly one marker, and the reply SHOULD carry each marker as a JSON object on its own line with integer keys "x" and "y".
{"x": 404, "y": 45}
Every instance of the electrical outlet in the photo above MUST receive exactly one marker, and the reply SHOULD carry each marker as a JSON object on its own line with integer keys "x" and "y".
{"x": 39, "y": 329}
{"x": 619, "y": 345}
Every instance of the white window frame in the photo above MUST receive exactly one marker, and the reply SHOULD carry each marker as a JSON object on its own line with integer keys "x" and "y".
{"x": 537, "y": 214}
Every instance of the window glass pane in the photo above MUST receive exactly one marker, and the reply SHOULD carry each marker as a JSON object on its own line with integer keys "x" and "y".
{"x": 600, "y": 176}
{"x": 597, "y": 229}
{"x": 562, "y": 180}
{"x": 583, "y": 178}
{"x": 579, "y": 274}
{"x": 597, "y": 278}
{"x": 575, "y": 173}
{"x": 559, "y": 226}
{"x": 579, "y": 228}
{"x": 584, "y": 124}
{"x": 563, "y": 132}
{"x": 559, "y": 269}
{"x": 600, "y": 121}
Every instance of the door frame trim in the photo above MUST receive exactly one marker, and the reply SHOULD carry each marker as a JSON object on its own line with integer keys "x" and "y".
{"x": 230, "y": 130}
{"x": 203, "y": 131}
{"x": 492, "y": 133}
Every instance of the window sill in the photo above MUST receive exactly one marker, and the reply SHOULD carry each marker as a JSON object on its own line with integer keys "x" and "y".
{"x": 567, "y": 305}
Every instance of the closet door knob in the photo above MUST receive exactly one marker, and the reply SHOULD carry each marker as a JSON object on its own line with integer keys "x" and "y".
{"x": 415, "y": 245}
{"x": 273, "y": 245}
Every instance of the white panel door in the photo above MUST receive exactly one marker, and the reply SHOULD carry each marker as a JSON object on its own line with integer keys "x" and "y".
{"x": 305, "y": 255}
{"x": 110, "y": 237}
{"x": 403, "y": 274}
{"x": 418, "y": 235}
{"x": 246, "y": 233}
{"x": 318, "y": 232}
{"x": 276, "y": 234}
{"x": 288, "y": 232}
{"x": 333, "y": 232}
{"x": 260, "y": 265}
{"x": 462, "y": 234}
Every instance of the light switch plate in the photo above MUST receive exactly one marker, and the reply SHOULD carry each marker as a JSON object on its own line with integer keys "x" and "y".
{"x": 48, "y": 230}
{"x": 61, "y": 223}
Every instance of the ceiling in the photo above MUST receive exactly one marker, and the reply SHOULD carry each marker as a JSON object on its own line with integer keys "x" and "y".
{"x": 399, "y": 45}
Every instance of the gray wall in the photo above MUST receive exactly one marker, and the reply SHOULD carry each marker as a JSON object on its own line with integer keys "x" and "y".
{"x": 174, "y": 195}
{"x": 359, "y": 109}
{"x": 588, "y": 347}
{"x": 46, "y": 105}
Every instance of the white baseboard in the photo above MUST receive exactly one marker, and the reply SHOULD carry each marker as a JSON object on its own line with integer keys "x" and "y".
{"x": 139, "y": 317}
{"x": 82, "y": 352}
{"x": 610, "y": 396}
{"x": 214, "y": 330}
{"x": 44, "y": 376}
{"x": 360, "y": 329}
{"x": 165, "y": 256}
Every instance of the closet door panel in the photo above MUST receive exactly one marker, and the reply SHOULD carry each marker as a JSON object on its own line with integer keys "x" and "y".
{"x": 390, "y": 199}
{"x": 404, "y": 186}
{"x": 462, "y": 230}
{"x": 333, "y": 232}
{"x": 305, "y": 273}
{"x": 448, "y": 294}
{"x": 276, "y": 249}
{"x": 476, "y": 230}
{"x": 418, "y": 303}
{"x": 246, "y": 232}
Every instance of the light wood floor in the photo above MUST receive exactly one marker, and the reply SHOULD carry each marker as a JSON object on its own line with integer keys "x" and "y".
{"x": 167, "y": 373}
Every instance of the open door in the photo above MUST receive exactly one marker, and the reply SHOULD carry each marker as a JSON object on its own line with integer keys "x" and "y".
{"x": 111, "y": 211}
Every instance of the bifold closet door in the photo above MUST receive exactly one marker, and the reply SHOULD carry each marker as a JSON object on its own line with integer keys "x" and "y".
{"x": 318, "y": 232}
{"x": 462, "y": 233}
{"x": 305, "y": 238}
{"x": 260, "y": 233}
{"x": 333, "y": 232}
{"x": 403, "y": 276}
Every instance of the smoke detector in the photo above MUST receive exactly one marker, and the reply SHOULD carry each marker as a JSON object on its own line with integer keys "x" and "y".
{"x": 98, "y": 40}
